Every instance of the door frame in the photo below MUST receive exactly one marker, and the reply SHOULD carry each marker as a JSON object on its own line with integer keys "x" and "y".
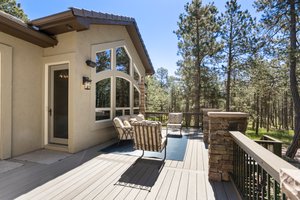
{"x": 6, "y": 53}
{"x": 47, "y": 122}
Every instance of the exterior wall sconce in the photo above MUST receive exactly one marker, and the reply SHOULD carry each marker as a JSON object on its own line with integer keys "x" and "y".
{"x": 90, "y": 63}
{"x": 86, "y": 82}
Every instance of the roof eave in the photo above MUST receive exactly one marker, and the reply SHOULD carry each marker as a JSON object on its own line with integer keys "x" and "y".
{"x": 19, "y": 29}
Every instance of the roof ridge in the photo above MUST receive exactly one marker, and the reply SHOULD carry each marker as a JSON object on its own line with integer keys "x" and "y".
{"x": 100, "y": 15}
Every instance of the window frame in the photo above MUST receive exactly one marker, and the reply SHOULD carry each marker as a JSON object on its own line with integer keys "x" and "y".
{"x": 113, "y": 74}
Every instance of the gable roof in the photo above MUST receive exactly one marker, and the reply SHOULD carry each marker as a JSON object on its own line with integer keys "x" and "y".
{"x": 80, "y": 19}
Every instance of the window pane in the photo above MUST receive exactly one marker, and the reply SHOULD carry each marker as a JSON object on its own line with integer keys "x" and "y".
{"x": 136, "y": 98}
{"x": 122, "y": 93}
{"x": 103, "y": 61}
{"x": 123, "y": 61}
{"x": 136, "y": 76}
{"x": 103, "y": 93}
{"x": 119, "y": 112}
{"x": 101, "y": 115}
{"x": 136, "y": 111}
{"x": 127, "y": 112}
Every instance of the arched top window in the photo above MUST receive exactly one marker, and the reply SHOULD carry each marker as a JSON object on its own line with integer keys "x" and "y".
{"x": 122, "y": 93}
{"x": 103, "y": 98}
{"x": 122, "y": 60}
{"x": 117, "y": 91}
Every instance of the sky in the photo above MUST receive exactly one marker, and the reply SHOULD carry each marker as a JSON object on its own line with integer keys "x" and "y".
{"x": 156, "y": 19}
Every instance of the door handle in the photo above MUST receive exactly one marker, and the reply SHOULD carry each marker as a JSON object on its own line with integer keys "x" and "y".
{"x": 50, "y": 112}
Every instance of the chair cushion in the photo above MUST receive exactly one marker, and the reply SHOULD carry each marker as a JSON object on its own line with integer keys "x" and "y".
{"x": 175, "y": 118}
{"x": 126, "y": 123}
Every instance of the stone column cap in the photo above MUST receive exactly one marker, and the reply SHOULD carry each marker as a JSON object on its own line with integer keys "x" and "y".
{"x": 206, "y": 110}
{"x": 228, "y": 114}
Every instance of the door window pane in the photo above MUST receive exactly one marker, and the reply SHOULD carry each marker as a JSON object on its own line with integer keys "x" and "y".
{"x": 103, "y": 61}
{"x": 122, "y": 93}
{"x": 123, "y": 61}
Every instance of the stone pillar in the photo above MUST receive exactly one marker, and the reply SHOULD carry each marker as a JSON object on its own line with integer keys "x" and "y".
{"x": 142, "y": 95}
{"x": 205, "y": 122}
{"x": 290, "y": 183}
{"x": 220, "y": 148}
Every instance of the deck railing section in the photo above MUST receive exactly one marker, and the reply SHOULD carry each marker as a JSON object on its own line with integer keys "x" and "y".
{"x": 271, "y": 144}
{"x": 189, "y": 118}
{"x": 256, "y": 170}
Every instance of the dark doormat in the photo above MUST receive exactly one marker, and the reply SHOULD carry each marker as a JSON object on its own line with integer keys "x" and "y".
{"x": 142, "y": 174}
{"x": 175, "y": 148}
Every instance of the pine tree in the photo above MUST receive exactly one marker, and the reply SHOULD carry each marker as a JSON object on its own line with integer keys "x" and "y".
{"x": 197, "y": 33}
{"x": 236, "y": 35}
{"x": 13, "y": 8}
{"x": 280, "y": 21}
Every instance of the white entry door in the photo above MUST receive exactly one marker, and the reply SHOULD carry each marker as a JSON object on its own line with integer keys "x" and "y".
{"x": 58, "y": 104}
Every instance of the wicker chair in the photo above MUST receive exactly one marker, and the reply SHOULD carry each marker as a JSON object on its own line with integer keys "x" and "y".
{"x": 148, "y": 137}
{"x": 124, "y": 129}
{"x": 175, "y": 121}
{"x": 123, "y": 125}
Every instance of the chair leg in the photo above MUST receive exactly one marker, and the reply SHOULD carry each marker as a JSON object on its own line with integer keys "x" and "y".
{"x": 138, "y": 158}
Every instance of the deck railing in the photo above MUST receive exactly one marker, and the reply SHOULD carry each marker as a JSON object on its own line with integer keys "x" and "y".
{"x": 189, "y": 118}
{"x": 256, "y": 171}
{"x": 271, "y": 144}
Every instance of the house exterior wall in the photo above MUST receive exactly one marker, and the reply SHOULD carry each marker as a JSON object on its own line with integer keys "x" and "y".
{"x": 75, "y": 48}
{"x": 24, "y": 83}
{"x": 26, "y": 87}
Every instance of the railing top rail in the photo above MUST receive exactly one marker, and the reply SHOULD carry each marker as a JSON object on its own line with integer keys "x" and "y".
{"x": 269, "y": 141}
{"x": 195, "y": 113}
{"x": 266, "y": 159}
{"x": 270, "y": 138}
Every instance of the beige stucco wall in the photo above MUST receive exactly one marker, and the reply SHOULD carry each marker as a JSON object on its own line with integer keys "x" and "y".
{"x": 26, "y": 93}
{"x": 84, "y": 132}
{"x": 30, "y": 64}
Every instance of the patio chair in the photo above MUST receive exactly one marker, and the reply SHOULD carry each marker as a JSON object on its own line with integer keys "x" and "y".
{"x": 148, "y": 137}
{"x": 174, "y": 121}
{"x": 124, "y": 129}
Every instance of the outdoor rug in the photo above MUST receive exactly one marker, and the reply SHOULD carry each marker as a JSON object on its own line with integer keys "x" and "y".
{"x": 175, "y": 148}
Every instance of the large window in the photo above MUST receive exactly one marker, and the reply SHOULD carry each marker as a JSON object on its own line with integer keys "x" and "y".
{"x": 123, "y": 61}
{"x": 118, "y": 94}
{"x": 103, "y": 104}
{"x": 103, "y": 60}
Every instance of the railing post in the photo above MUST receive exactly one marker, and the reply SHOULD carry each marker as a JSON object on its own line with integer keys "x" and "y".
{"x": 221, "y": 144}
{"x": 290, "y": 183}
{"x": 205, "y": 122}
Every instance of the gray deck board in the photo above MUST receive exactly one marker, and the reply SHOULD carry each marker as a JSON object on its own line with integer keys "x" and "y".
{"x": 113, "y": 176}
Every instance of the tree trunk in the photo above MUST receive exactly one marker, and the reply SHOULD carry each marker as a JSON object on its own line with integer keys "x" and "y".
{"x": 229, "y": 69}
{"x": 198, "y": 73}
{"x": 292, "y": 149}
{"x": 257, "y": 114}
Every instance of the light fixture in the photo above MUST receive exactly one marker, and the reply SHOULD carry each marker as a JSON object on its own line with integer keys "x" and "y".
{"x": 90, "y": 63}
{"x": 86, "y": 82}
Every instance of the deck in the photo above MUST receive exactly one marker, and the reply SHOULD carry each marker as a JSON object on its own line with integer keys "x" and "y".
{"x": 110, "y": 176}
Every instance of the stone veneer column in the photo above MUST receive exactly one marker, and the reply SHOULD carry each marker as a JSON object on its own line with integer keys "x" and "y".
{"x": 205, "y": 122}
{"x": 290, "y": 183}
{"x": 220, "y": 149}
{"x": 142, "y": 96}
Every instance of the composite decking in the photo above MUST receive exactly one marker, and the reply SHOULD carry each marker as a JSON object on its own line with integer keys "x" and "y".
{"x": 112, "y": 176}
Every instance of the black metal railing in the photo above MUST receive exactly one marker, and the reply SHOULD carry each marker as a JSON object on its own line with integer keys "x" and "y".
{"x": 251, "y": 179}
{"x": 256, "y": 170}
{"x": 189, "y": 118}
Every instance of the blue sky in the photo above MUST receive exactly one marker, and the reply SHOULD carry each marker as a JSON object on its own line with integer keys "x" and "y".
{"x": 157, "y": 19}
